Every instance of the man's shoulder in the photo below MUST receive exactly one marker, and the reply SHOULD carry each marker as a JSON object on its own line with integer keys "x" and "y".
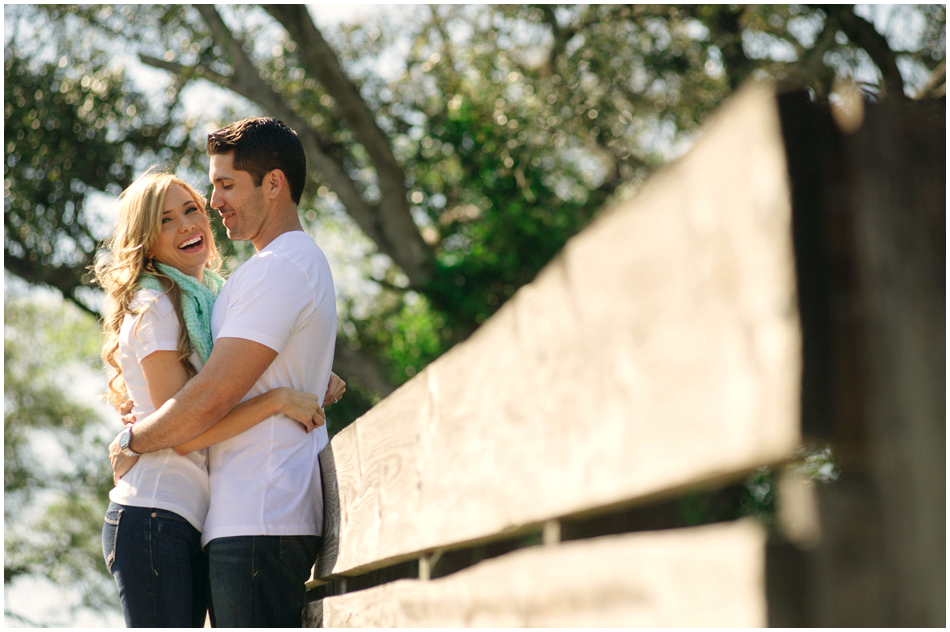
{"x": 293, "y": 261}
{"x": 292, "y": 244}
{"x": 296, "y": 249}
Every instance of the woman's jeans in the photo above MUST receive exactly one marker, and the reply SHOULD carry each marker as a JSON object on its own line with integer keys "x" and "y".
{"x": 156, "y": 558}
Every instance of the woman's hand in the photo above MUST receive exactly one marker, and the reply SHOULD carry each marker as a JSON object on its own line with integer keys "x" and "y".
{"x": 335, "y": 389}
{"x": 128, "y": 418}
{"x": 121, "y": 463}
{"x": 302, "y": 407}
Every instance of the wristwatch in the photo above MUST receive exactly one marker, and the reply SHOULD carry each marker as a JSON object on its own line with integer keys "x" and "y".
{"x": 124, "y": 438}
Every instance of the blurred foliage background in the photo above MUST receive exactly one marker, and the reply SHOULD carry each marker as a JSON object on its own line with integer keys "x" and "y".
{"x": 453, "y": 150}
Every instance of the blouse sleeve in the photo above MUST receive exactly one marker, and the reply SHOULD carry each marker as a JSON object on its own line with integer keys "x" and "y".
{"x": 156, "y": 327}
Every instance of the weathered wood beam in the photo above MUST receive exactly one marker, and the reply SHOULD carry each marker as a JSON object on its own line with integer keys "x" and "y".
{"x": 702, "y": 577}
{"x": 660, "y": 350}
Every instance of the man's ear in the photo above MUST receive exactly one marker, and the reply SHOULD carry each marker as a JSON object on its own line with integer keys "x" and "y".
{"x": 273, "y": 183}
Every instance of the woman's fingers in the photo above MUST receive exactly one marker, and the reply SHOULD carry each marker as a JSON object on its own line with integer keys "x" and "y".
{"x": 335, "y": 389}
{"x": 306, "y": 411}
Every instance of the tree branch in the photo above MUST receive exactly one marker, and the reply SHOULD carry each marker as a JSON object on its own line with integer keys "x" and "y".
{"x": 185, "y": 72}
{"x": 561, "y": 37}
{"x": 863, "y": 34}
{"x": 936, "y": 86}
{"x": 66, "y": 279}
{"x": 810, "y": 69}
{"x": 564, "y": 34}
{"x": 246, "y": 81}
{"x": 399, "y": 235}
{"x": 737, "y": 64}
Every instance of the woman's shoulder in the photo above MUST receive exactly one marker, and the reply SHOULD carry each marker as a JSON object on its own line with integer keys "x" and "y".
{"x": 150, "y": 304}
{"x": 149, "y": 311}
{"x": 145, "y": 299}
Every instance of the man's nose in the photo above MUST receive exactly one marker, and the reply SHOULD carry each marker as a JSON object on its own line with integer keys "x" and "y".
{"x": 216, "y": 201}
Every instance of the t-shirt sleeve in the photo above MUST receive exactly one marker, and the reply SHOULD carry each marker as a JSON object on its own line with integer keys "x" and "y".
{"x": 268, "y": 302}
{"x": 156, "y": 328}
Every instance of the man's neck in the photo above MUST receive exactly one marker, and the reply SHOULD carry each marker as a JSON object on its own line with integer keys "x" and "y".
{"x": 284, "y": 221}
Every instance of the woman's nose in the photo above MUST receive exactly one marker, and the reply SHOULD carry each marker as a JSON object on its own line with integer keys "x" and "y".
{"x": 186, "y": 223}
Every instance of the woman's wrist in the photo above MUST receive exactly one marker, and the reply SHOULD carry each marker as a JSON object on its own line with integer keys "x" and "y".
{"x": 278, "y": 399}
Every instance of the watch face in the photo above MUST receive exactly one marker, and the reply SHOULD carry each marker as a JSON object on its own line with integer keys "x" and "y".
{"x": 124, "y": 439}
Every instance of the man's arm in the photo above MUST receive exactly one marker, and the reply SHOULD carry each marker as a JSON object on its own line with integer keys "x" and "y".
{"x": 232, "y": 369}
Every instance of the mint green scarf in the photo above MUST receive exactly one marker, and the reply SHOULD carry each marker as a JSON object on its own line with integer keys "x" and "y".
{"x": 196, "y": 303}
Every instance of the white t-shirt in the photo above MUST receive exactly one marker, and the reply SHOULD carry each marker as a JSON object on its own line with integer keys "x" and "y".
{"x": 266, "y": 481}
{"x": 162, "y": 479}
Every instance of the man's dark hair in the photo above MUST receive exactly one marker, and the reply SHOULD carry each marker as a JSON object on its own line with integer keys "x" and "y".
{"x": 261, "y": 145}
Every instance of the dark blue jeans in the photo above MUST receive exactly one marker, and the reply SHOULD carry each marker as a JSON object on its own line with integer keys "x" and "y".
{"x": 157, "y": 561}
{"x": 258, "y": 581}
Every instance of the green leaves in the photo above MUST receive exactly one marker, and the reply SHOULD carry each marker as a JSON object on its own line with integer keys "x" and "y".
{"x": 60, "y": 148}
{"x": 56, "y": 472}
{"x": 507, "y": 127}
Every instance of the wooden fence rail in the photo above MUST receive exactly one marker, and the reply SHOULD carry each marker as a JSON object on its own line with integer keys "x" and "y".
{"x": 526, "y": 478}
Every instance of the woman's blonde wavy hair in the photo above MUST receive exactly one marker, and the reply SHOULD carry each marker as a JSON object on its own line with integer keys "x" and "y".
{"x": 127, "y": 258}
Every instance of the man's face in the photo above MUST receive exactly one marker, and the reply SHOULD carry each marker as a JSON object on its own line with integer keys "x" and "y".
{"x": 239, "y": 201}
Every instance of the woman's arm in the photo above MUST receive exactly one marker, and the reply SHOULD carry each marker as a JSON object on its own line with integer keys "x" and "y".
{"x": 300, "y": 406}
{"x": 165, "y": 376}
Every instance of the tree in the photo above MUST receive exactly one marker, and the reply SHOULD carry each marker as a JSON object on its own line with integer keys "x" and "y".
{"x": 453, "y": 151}
{"x": 55, "y": 475}
{"x": 450, "y": 166}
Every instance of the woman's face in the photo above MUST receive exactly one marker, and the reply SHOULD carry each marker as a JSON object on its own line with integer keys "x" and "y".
{"x": 185, "y": 236}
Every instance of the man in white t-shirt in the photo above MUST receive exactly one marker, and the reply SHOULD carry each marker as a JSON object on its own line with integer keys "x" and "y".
{"x": 274, "y": 324}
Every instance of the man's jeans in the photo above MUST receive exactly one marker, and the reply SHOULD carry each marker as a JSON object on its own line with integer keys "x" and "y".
{"x": 258, "y": 581}
{"x": 156, "y": 558}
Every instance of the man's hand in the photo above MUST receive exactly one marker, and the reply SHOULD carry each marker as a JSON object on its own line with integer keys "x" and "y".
{"x": 335, "y": 390}
{"x": 121, "y": 463}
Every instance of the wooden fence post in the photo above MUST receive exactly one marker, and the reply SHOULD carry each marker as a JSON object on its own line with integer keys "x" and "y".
{"x": 869, "y": 211}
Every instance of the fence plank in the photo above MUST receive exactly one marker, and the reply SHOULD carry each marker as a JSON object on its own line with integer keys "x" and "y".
{"x": 659, "y": 350}
{"x": 701, "y": 577}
